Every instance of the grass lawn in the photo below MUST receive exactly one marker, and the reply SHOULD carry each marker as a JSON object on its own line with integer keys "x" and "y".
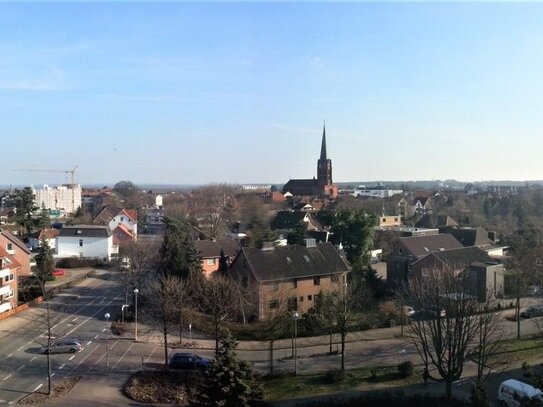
{"x": 310, "y": 384}
{"x": 520, "y": 349}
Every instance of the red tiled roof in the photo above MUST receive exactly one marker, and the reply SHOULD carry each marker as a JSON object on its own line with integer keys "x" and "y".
{"x": 132, "y": 213}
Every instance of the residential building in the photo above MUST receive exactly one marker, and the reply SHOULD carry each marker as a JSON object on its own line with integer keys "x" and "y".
{"x": 18, "y": 250}
{"x": 210, "y": 252}
{"x": 114, "y": 216}
{"x": 378, "y": 191}
{"x": 285, "y": 222}
{"x": 66, "y": 198}
{"x": 482, "y": 275}
{"x": 14, "y": 264}
{"x": 480, "y": 238}
{"x": 322, "y": 185}
{"x": 90, "y": 241}
{"x": 289, "y": 277}
{"x": 390, "y": 221}
{"x": 407, "y": 250}
{"x": 35, "y": 239}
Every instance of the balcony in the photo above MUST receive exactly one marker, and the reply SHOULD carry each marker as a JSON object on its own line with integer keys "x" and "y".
{"x": 4, "y": 273}
{"x": 5, "y": 290}
{"x": 5, "y": 306}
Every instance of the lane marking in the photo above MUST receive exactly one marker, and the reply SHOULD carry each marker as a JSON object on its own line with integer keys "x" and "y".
{"x": 21, "y": 367}
{"x": 7, "y": 377}
{"x": 10, "y": 355}
{"x": 71, "y": 357}
{"x": 52, "y": 374}
{"x": 37, "y": 388}
{"x": 33, "y": 358}
{"x": 88, "y": 343}
{"x": 21, "y": 348}
{"x": 96, "y": 336}
{"x": 123, "y": 355}
{"x": 61, "y": 366}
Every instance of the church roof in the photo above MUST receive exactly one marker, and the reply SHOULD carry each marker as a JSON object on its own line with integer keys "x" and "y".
{"x": 323, "y": 145}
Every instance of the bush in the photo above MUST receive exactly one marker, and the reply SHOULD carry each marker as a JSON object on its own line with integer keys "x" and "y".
{"x": 479, "y": 397}
{"x": 76, "y": 262}
{"x": 118, "y": 328}
{"x": 406, "y": 369}
{"x": 527, "y": 370}
{"x": 334, "y": 376}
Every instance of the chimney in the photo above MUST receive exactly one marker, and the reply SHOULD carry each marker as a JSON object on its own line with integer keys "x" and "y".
{"x": 310, "y": 243}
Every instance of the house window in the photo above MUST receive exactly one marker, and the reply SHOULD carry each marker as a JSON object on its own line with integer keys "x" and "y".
{"x": 310, "y": 298}
{"x": 80, "y": 242}
{"x": 316, "y": 281}
{"x": 210, "y": 262}
{"x": 274, "y": 304}
{"x": 395, "y": 219}
{"x": 384, "y": 220}
{"x": 8, "y": 278}
{"x": 122, "y": 218}
{"x": 292, "y": 304}
{"x": 301, "y": 299}
{"x": 294, "y": 283}
{"x": 306, "y": 258}
{"x": 9, "y": 247}
{"x": 289, "y": 260}
{"x": 400, "y": 250}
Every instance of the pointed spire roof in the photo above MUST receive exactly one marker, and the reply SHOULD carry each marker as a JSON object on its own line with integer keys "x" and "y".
{"x": 323, "y": 145}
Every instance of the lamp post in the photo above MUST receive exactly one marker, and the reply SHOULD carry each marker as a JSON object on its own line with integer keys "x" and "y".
{"x": 107, "y": 316}
{"x": 122, "y": 311}
{"x": 190, "y": 333}
{"x": 295, "y": 317}
{"x": 136, "y": 291}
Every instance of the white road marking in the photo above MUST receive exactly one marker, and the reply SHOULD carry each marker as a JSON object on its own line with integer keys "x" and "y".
{"x": 75, "y": 319}
{"x": 96, "y": 336}
{"x": 33, "y": 358}
{"x": 21, "y": 367}
{"x": 71, "y": 357}
{"x": 52, "y": 374}
{"x": 123, "y": 355}
{"x": 88, "y": 343}
{"x": 61, "y": 366}
{"x": 21, "y": 348}
{"x": 7, "y": 377}
{"x": 37, "y": 388}
{"x": 10, "y": 355}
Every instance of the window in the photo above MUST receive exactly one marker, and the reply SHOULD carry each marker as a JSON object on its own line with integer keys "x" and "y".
{"x": 310, "y": 298}
{"x": 301, "y": 299}
{"x": 289, "y": 260}
{"x": 80, "y": 242}
{"x": 399, "y": 250}
{"x": 122, "y": 218}
{"x": 384, "y": 220}
{"x": 306, "y": 258}
{"x": 274, "y": 304}
{"x": 210, "y": 262}
{"x": 294, "y": 283}
{"x": 9, "y": 247}
{"x": 8, "y": 278}
{"x": 316, "y": 281}
{"x": 395, "y": 219}
{"x": 292, "y": 304}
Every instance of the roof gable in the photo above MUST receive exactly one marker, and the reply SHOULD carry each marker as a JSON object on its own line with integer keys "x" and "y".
{"x": 420, "y": 246}
{"x": 212, "y": 249}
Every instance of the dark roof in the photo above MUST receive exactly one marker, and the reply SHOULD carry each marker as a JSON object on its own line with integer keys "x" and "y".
{"x": 462, "y": 257}
{"x": 85, "y": 231}
{"x": 290, "y": 219}
{"x": 323, "y": 144}
{"x": 300, "y": 183}
{"x": 210, "y": 248}
{"x": 294, "y": 261}
{"x": 422, "y": 245}
{"x": 14, "y": 239}
{"x": 472, "y": 237}
{"x": 436, "y": 221}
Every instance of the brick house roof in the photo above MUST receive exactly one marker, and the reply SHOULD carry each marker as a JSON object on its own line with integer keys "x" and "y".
{"x": 212, "y": 249}
{"x": 420, "y": 246}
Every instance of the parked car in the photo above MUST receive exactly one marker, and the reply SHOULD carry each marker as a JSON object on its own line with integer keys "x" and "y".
{"x": 531, "y": 312}
{"x": 188, "y": 361}
{"x": 409, "y": 311}
{"x": 434, "y": 312}
{"x": 59, "y": 272}
{"x": 511, "y": 392}
{"x": 63, "y": 346}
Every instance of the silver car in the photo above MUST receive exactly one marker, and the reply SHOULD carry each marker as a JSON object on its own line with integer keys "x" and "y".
{"x": 63, "y": 346}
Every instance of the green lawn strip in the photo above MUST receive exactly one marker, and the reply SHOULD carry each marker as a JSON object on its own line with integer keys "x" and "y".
{"x": 309, "y": 384}
{"x": 520, "y": 349}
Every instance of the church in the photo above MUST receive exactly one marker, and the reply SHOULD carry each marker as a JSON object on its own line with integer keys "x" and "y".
{"x": 320, "y": 186}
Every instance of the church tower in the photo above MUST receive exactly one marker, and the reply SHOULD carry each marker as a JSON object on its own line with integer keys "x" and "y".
{"x": 324, "y": 165}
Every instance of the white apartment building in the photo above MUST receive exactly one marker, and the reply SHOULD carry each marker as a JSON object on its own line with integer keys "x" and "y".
{"x": 66, "y": 198}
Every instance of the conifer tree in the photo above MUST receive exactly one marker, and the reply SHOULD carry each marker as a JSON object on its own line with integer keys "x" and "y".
{"x": 178, "y": 255}
{"x": 229, "y": 381}
{"x": 44, "y": 262}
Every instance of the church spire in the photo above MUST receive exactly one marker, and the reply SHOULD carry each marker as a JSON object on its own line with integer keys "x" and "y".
{"x": 323, "y": 145}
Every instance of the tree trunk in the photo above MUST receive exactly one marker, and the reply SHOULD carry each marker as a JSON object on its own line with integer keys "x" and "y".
{"x": 216, "y": 321}
{"x": 517, "y": 314}
{"x": 343, "y": 334}
{"x": 271, "y": 357}
{"x": 330, "y": 341}
{"x": 448, "y": 388}
{"x": 165, "y": 332}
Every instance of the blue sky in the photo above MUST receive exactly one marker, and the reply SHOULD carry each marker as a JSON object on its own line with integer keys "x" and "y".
{"x": 237, "y": 92}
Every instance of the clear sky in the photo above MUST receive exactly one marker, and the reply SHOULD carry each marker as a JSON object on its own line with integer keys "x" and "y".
{"x": 237, "y": 92}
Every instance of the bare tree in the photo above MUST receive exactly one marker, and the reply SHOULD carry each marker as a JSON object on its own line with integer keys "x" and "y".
{"x": 165, "y": 296}
{"x": 216, "y": 297}
{"x": 450, "y": 331}
{"x": 137, "y": 261}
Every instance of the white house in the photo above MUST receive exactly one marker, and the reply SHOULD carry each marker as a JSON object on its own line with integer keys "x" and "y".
{"x": 126, "y": 217}
{"x": 158, "y": 201}
{"x": 86, "y": 241}
{"x": 379, "y": 191}
{"x": 50, "y": 235}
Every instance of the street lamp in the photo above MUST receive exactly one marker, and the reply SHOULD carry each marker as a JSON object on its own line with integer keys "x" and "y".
{"x": 122, "y": 311}
{"x": 295, "y": 317}
{"x": 107, "y": 316}
{"x": 136, "y": 291}
{"x": 190, "y": 333}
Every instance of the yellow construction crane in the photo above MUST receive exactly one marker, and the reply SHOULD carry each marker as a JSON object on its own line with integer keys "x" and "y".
{"x": 71, "y": 172}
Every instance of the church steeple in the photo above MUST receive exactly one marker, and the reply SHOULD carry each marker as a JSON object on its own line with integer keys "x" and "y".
{"x": 323, "y": 145}
{"x": 324, "y": 164}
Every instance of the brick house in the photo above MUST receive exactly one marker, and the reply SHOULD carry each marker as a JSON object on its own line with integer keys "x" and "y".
{"x": 407, "y": 250}
{"x": 17, "y": 249}
{"x": 14, "y": 263}
{"x": 289, "y": 277}
{"x": 210, "y": 252}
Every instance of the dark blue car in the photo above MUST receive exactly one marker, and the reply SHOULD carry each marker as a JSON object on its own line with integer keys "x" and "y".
{"x": 188, "y": 361}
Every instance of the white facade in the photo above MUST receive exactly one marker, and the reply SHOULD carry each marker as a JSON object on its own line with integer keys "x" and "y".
{"x": 126, "y": 220}
{"x": 380, "y": 191}
{"x": 36, "y": 243}
{"x": 63, "y": 197}
{"x": 85, "y": 241}
{"x": 158, "y": 201}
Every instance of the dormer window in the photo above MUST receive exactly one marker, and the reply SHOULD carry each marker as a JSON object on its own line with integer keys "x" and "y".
{"x": 9, "y": 247}
{"x": 289, "y": 260}
{"x": 306, "y": 258}
{"x": 79, "y": 232}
